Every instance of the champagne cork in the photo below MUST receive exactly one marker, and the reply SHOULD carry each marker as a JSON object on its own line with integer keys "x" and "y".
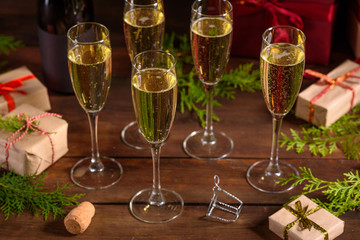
{"x": 79, "y": 218}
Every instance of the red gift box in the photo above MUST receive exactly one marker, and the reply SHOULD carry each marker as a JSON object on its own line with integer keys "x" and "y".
{"x": 315, "y": 17}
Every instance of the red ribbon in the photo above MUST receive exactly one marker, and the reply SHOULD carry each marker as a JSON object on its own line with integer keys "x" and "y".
{"x": 6, "y": 88}
{"x": 332, "y": 82}
{"x": 28, "y": 124}
{"x": 275, "y": 10}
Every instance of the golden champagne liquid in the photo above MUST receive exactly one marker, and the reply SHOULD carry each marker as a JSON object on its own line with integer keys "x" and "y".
{"x": 90, "y": 72}
{"x": 154, "y": 94}
{"x": 281, "y": 67}
{"x": 210, "y": 43}
{"x": 144, "y": 30}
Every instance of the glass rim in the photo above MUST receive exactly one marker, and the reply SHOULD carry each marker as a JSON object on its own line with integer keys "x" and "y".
{"x": 142, "y": 5}
{"x": 285, "y": 26}
{"x": 154, "y": 51}
{"x": 107, "y": 33}
{"x": 219, "y": 15}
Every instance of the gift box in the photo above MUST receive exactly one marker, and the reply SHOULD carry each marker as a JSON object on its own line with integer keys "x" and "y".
{"x": 304, "y": 219}
{"x": 34, "y": 152}
{"x": 20, "y": 86}
{"x": 324, "y": 102}
{"x": 353, "y": 32}
{"x": 315, "y": 17}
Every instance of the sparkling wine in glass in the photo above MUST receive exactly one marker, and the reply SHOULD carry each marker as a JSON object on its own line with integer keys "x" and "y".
{"x": 211, "y": 37}
{"x": 282, "y": 61}
{"x": 89, "y": 59}
{"x": 154, "y": 95}
{"x": 144, "y": 25}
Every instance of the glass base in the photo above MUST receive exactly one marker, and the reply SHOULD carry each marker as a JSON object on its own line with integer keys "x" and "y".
{"x": 132, "y": 137}
{"x": 195, "y": 147}
{"x": 83, "y": 177}
{"x": 258, "y": 179}
{"x": 170, "y": 209}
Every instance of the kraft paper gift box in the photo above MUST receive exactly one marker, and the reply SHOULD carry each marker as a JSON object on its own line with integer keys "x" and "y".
{"x": 25, "y": 88}
{"x": 334, "y": 103}
{"x": 316, "y": 18}
{"x": 327, "y": 221}
{"x": 33, "y": 153}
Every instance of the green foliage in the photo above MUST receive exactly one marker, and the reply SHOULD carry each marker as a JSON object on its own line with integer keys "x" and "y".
{"x": 191, "y": 89}
{"x": 13, "y": 123}
{"x": 18, "y": 193}
{"x": 8, "y": 43}
{"x": 341, "y": 196}
{"x": 344, "y": 134}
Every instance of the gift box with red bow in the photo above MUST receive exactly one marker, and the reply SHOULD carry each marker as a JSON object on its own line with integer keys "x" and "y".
{"x": 20, "y": 86}
{"x": 335, "y": 94}
{"x": 38, "y": 144}
{"x": 315, "y": 17}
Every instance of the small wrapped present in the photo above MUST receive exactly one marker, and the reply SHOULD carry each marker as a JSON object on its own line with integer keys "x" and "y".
{"x": 20, "y": 86}
{"x": 303, "y": 219}
{"x": 335, "y": 94}
{"x": 29, "y": 153}
{"x": 315, "y": 17}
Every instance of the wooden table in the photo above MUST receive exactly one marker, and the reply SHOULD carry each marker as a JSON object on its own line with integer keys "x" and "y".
{"x": 246, "y": 120}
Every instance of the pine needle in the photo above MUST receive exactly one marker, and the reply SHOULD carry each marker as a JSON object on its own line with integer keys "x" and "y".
{"x": 343, "y": 134}
{"x": 342, "y": 196}
{"x": 19, "y": 193}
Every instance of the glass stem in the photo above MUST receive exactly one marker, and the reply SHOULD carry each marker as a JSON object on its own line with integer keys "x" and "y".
{"x": 273, "y": 168}
{"x": 208, "y": 131}
{"x": 96, "y": 164}
{"x": 156, "y": 197}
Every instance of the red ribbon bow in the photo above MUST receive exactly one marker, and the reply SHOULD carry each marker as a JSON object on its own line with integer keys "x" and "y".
{"x": 275, "y": 10}
{"x": 6, "y": 88}
{"x": 28, "y": 124}
{"x": 332, "y": 82}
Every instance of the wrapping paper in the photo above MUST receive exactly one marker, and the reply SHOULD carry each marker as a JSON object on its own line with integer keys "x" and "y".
{"x": 315, "y": 17}
{"x": 279, "y": 220}
{"x": 333, "y": 104}
{"x": 33, "y": 153}
{"x": 31, "y": 92}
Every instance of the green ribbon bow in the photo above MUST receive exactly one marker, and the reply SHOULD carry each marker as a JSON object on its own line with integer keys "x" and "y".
{"x": 304, "y": 222}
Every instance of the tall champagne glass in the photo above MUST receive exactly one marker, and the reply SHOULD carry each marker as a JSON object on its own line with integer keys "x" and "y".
{"x": 282, "y": 61}
{"x": 144, "y": 25}
{"x": 154, "y": 95}
{"x": 89, "y": 58}
{"x": 211, "y": 37}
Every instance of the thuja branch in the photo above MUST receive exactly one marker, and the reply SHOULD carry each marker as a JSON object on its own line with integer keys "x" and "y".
{"x": 14, "y": 123}
{"x": 342, "y": 196}
{"x": 7, "y": 44}
{"x": 191, "y": 89}
{"x": 344, "y": 134}
{"x": 19, "y": 193}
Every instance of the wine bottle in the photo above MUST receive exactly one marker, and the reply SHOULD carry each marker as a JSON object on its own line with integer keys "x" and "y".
{"x": 54, "y": 18}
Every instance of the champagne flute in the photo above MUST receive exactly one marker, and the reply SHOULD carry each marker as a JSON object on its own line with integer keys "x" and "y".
{"x": 144, "y": 25}
{"x": 282, "y": 61}
{"x": 89, "y": 58}
{"x": 211, "y": 37}
{"x": 154, "y": 95}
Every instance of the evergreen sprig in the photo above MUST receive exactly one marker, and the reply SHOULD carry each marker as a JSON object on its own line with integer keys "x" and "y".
{"x": 342, "y": 196}
{"x": 14, "y": 123}
{"x": 191, "y": 89}
{"x": 18, "y": 193}
{"x": 7, "y": 44}
{"x": 344, "y": 134}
